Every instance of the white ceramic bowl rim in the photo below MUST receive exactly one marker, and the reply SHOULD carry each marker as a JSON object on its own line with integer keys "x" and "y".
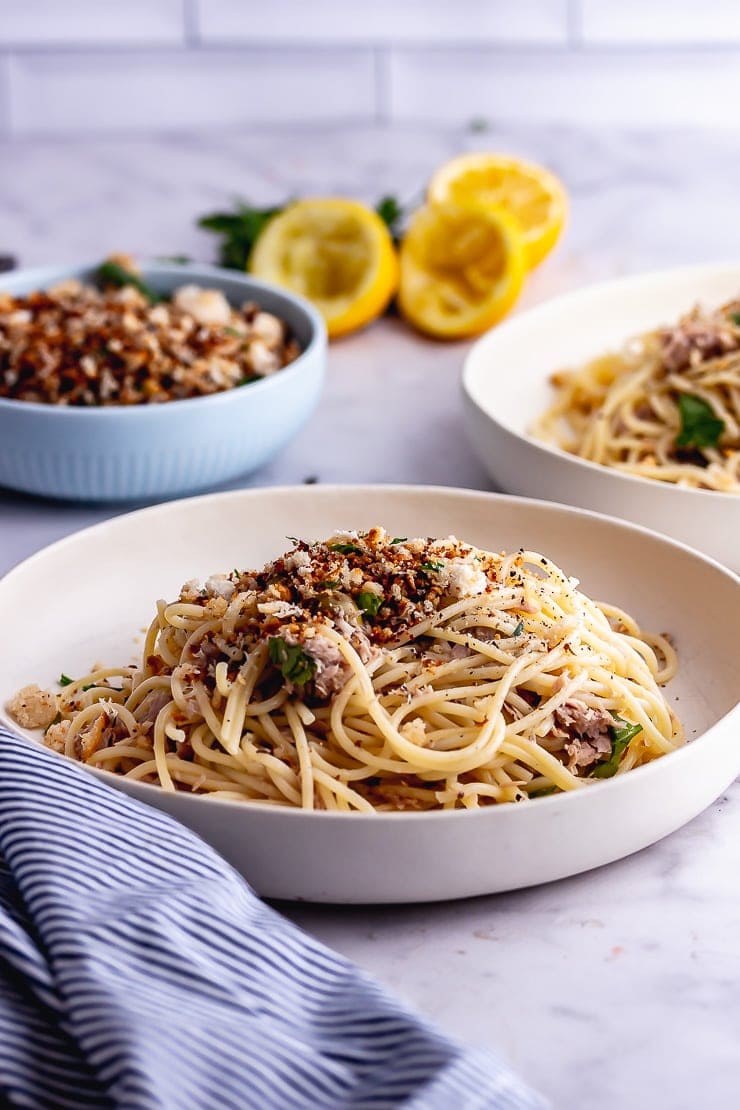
{"x": 469, "y": 375}
{"x": 490, "y": 812}
{"x": 192, "y": 271}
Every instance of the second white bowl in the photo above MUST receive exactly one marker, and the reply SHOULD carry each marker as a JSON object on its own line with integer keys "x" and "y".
{"x": 506, "y": 387}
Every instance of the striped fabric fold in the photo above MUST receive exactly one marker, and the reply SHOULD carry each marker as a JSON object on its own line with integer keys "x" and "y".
{"x": 138, "y": 970}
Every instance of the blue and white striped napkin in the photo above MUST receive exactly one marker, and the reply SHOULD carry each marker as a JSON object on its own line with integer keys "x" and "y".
{"x": 138, "y": 970}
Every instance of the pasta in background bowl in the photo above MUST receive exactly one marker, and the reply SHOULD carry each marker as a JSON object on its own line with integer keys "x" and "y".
{"x": 401, "y": 854}
{"x": 519, "y": 424}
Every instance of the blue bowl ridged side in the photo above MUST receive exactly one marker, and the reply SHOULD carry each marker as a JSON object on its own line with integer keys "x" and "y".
{"x": 147, "y": 451}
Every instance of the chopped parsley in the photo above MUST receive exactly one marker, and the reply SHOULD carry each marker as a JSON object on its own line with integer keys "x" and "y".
{"x": 247, "y": 380}
{"x": 113, "y": 273}
{"x": 330, "y": 584}
{"x": 346, "y": 548}
{"x": 235, "y": 333}
{"x": 398, "y": 539}
{"x": 735, "y": 317}
{"x": 293, "y": 539}
{"x": 518, "y": 630}
{"x": 620, "y": 740}
{"x": 65, "y": 680}
{"x": 369, "y": 602}
{"x": 294, "y": 663}
{"x": 700, "y": 426}
{"x": 543, "y": 792}
{"x": 431, "y": 566}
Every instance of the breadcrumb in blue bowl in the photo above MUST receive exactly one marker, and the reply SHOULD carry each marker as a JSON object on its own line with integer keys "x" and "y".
{"x": 179, "y": 379}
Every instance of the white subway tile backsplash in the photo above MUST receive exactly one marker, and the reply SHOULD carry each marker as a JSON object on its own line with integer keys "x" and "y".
{"x": 595, "y": 88}
{"x": 94, "y": 22}
{"x": 381, "y": 21}
{"x": 149, "y": 91}
{"x": 660, "y": 22}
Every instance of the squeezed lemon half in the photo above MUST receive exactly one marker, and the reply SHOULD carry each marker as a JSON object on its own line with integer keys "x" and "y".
{"x": 462, "y": 268}
{"x": 532, "y": 195}
{"x": 336, "y": 252}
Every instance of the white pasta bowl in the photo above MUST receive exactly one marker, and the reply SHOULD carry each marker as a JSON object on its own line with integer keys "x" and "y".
{"x": 60, "y": 613}
{"x": 137, "y": 452}
{"x": 506, "y": 387}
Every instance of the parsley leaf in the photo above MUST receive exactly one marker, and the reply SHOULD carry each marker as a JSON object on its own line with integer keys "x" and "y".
{"x": 113, "y": 273}
{"x": 346, "y": 548}
{"x": 294, "y": 663}
{"x": 65, "y": 680}
{"x": 700, "y": 427}
{"x": 543, "y": 792}
{"x": 369, "y": 602}
{"x": 620, "y": 740}
{"x": 398, "y": 539}
{"x": 391, "y": 213}
{"x": 432, "y": 565}
{"x": 239, "y": 230}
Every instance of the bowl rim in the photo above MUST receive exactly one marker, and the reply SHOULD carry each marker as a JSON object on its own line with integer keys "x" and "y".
{"x": 470, "y": 374}
{"x": 482, "y": 813}
{"x": 316, "y": 343}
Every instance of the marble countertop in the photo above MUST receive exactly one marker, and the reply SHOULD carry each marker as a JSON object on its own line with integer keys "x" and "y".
{"x": 616, "y": 988}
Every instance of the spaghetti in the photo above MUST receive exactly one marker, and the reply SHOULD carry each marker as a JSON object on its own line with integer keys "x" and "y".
{"x": 666, "y": 407}
{"x": 371, "y": 672}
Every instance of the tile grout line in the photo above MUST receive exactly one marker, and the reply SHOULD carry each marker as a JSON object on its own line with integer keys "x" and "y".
{"x": 191, "y": 25}
{"x": 574, "y": 25}
{"x": 381, "y": 78}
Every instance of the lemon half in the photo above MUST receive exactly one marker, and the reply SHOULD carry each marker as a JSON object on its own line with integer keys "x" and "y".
{"x": 462, "y": 268}
{"x": 528, "y": 192}
{"x": 338, "y": 253}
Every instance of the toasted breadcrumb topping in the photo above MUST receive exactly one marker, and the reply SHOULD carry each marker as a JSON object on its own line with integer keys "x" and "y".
{"x": 77, "y": 344}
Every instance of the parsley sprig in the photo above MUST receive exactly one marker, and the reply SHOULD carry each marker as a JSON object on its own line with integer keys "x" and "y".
{"x": 391, "y": 213}
{"x": 239, "y": 231}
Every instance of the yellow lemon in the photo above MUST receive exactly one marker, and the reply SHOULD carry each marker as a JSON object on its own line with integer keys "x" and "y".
{"x": 338, "y": 253}
{"x": 531, "y": 194}
{"x": 462, "y": 268}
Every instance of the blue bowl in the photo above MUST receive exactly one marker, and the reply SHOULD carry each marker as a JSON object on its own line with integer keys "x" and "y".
{"x": 135, "y": 452}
